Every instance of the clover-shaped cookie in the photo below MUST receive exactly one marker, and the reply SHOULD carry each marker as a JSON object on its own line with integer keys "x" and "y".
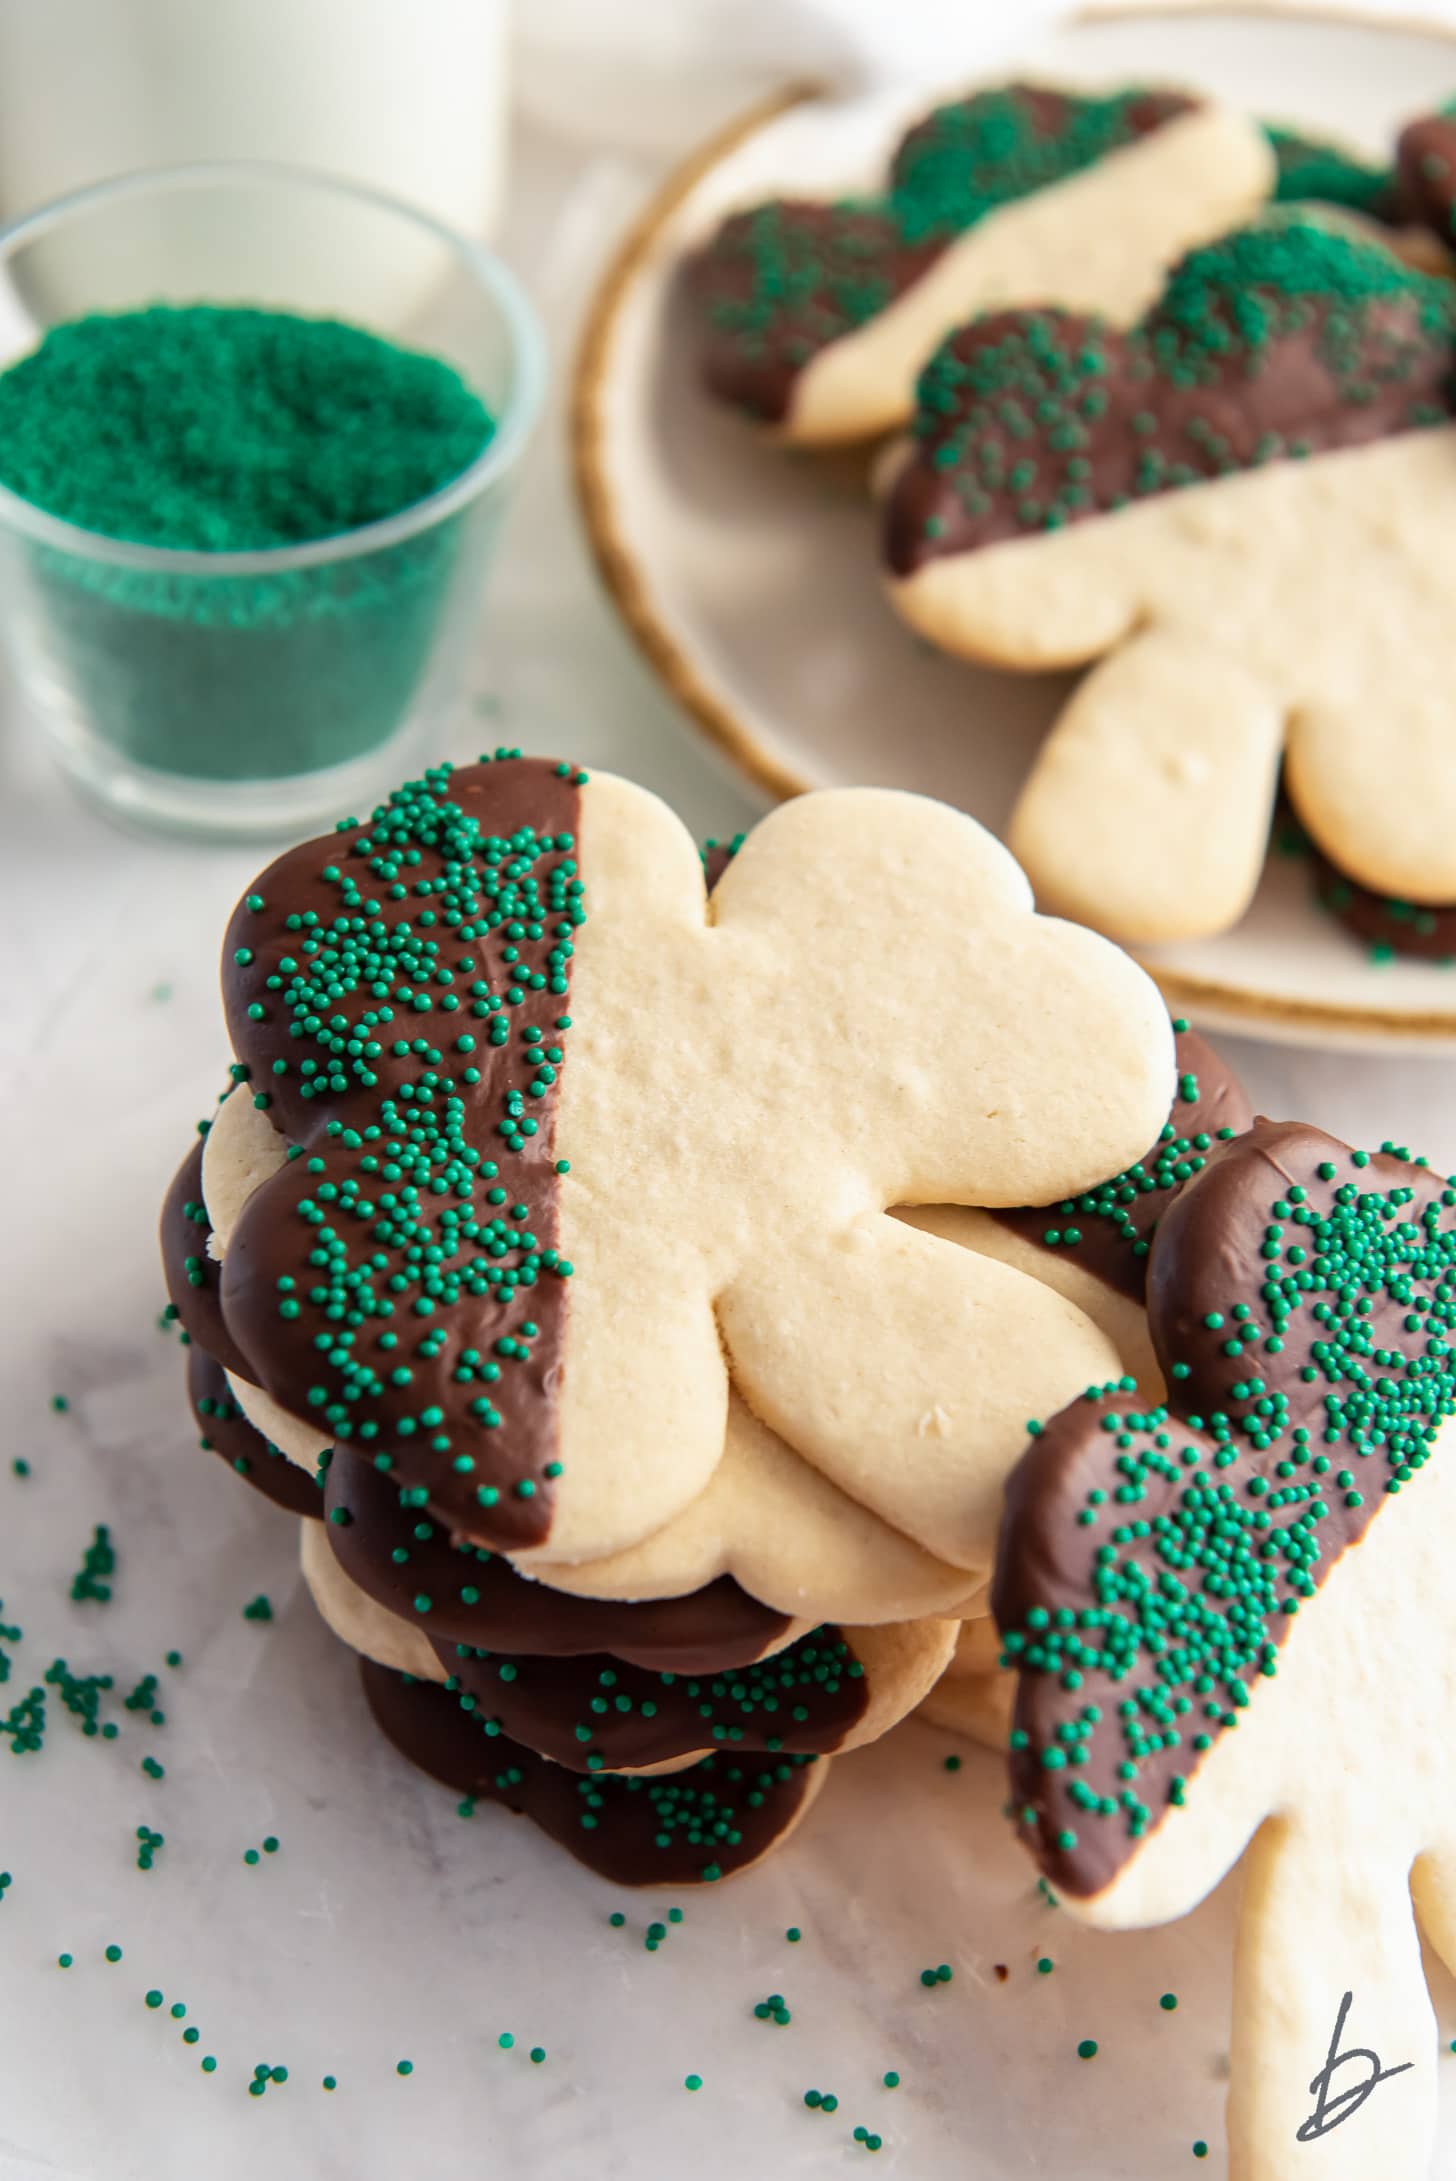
{"x": 570, "y": 1161}
{"x": 816, "y": 315}
{"x": 1245, "y": 510}
{"x": 1231, "y": 1624}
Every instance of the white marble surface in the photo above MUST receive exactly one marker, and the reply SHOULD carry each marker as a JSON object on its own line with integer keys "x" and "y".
{"x": 386, "y": 1927}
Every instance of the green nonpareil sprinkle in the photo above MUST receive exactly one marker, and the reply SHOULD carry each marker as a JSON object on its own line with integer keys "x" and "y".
{"x": 20, "y": 1467}
{"x": 90, "y": 1584}
{"x": 81, "y": 1696}
{"x": 258, "y": 1609}
{"x": 1087, "y": 2050}
{"x": 692, "y": 2082}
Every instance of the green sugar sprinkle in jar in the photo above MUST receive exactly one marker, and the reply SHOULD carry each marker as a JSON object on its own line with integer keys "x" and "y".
{"x": 254, "y": 454}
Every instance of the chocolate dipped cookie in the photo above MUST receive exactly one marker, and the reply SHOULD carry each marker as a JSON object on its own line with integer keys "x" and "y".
{"x": 1228, "y": 1618}
{"x": 815, "y": 315}
{"x": 1238, "y": 510}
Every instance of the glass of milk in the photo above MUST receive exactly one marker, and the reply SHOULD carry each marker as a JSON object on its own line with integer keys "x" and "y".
{"x": 407, "y": 96}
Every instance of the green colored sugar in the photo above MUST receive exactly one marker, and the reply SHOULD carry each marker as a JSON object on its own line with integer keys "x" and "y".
{"x": 225, "y": 429}
{"x": 221, "y": 429}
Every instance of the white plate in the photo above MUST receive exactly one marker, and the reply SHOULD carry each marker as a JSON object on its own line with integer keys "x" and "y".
{"x": 750, "y": 577}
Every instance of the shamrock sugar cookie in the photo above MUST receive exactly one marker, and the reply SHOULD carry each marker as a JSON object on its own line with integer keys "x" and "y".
{"x": 530, "y": 1218}
{"x": 816, "y": 315}
{"x": 1229, "y": 1619}
{"x": 1242, "y": 510}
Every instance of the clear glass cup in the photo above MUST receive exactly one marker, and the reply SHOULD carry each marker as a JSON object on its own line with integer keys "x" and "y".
{"x": 241, "y": 694}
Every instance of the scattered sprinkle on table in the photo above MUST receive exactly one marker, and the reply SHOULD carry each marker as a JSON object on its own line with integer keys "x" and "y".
{"x": 692, "y": 2082}
{"x": 258, "y": 1609}
{"x": 538, "y": 2054}
{"x": 404, "y": 2067}
{"x": 148, "y": 1845}
{"x": 152, "y": 1769}
{"x": 1200, "y": 2149}
{"x": 1169, "y": 2002}
{"x": 793, "y": 1934}
{"x": 773, "y": 2009}
{"x": 113, "y": 1953}
{"x": 174, "y": 1658}
{"x": 890, "y": 2079}
{"x": 931, "y": 1977}
{"x": 63, "y": 1961}
{"x": 505, "y": 2040}
{"x": 331, "y": 2082}
{"x": 952, "y": 1764}
{"x": 1045, "y": 1966}
{"x": 1087, "y": 2050}
{"x": 20, "y": 1467}
{"x": 89, "y": 1584}
{"x": 59, "y": 1403}
{"x": 617, "y": 1919}
{"x": 209, "y": 2064}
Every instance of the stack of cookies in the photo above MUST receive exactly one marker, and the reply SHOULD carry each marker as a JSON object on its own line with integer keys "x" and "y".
{"x": 540, "y": 1260}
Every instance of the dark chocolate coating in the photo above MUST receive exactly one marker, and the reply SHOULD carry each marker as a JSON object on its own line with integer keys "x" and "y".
{"x": 193, "y": 1279}
{"x": 1333, "y": 376}
{"x": 641, "y": 1834}
{"x": 855, "y": 244}
{"x": 1117, "y": 1253}
{"x": 275, "y": 1240}
{"x": 1212, "y": 1249}
{"x": 709, "y": 1629}
{"x": 1421, "y": 930}
{"x": 227, "y": 1433}
{"x": 1425, "y": 165}
{"x": 646, "y": 1718}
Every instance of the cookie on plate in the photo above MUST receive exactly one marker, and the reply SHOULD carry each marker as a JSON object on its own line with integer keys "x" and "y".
{"x": 817, "y": 315}
{"x": 1241, "y": 510}
{"x": 1230, "y": 1622}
